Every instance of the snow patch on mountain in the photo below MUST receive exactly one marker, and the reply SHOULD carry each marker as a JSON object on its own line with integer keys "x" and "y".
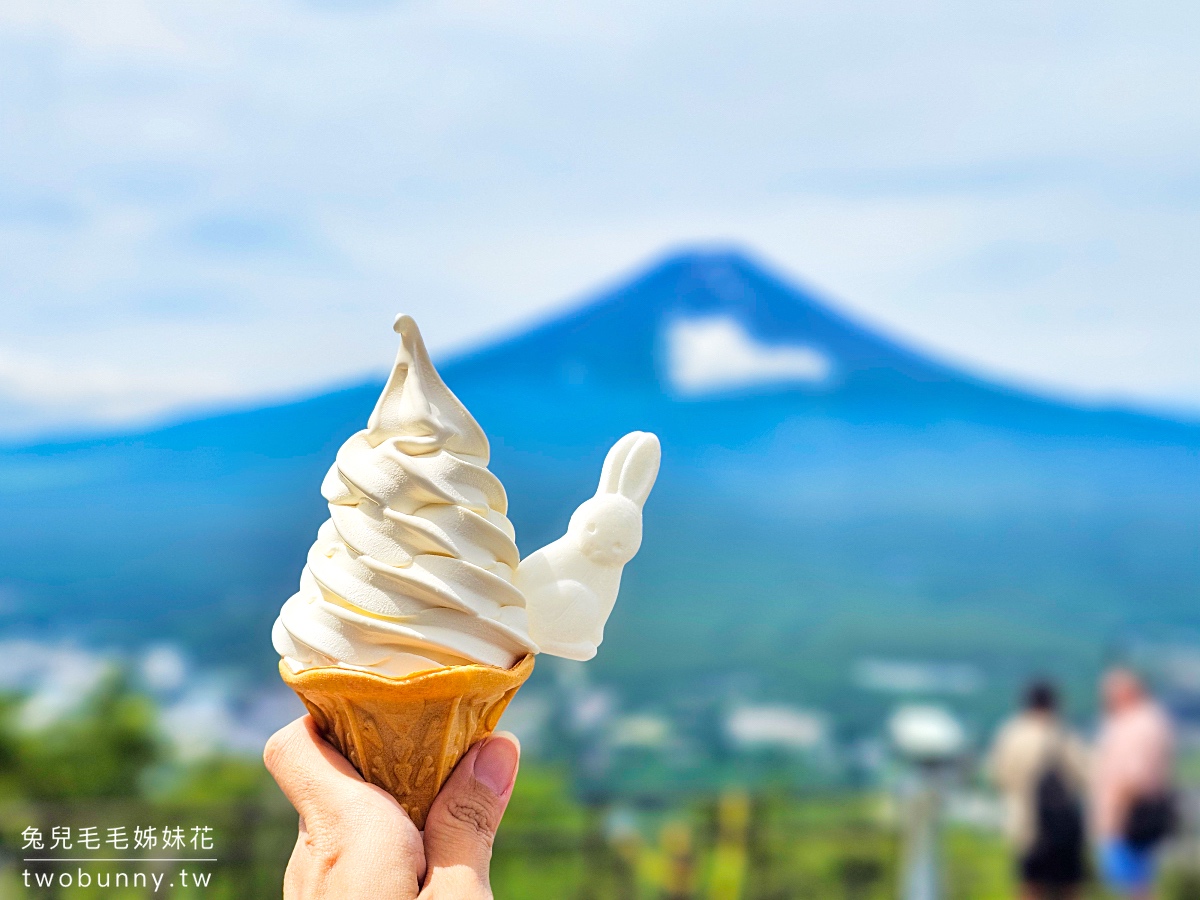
{"x": 716, "y": 353}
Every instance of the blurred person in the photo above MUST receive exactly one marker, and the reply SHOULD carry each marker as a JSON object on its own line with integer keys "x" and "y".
{"x": 1040, "y": 768}
{"x": 356, "y": 841}
{"x": 1132, "y": 801}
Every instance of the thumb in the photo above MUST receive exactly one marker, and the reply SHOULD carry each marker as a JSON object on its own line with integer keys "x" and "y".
{"x": 462, "y": 823}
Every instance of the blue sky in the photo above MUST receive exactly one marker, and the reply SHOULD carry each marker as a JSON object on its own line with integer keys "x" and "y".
{"x": 204, "y": 202}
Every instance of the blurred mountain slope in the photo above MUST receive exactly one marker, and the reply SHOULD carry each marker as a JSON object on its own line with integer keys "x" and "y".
{"x": 826, "y": 495}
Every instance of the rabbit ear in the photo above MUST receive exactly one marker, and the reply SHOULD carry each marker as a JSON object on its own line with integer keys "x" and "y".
{"x": 610, "y": 475}
{"x": 640, "y": 467}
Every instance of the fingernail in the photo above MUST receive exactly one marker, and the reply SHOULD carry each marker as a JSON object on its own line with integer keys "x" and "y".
{"x": 496, "y": 763}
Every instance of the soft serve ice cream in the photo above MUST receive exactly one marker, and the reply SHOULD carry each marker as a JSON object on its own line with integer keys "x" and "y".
{"x": 416, "y": 568}
{"x": 416, "y": 621}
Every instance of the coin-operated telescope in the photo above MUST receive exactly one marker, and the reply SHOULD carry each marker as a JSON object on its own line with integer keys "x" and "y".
{"x": 931, "y": 740}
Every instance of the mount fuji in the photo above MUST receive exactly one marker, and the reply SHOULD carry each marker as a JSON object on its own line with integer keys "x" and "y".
{"x": 826, "y": 496}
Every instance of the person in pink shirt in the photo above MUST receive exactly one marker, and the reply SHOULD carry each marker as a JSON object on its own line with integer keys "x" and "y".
{"x": 1132, "y": 803}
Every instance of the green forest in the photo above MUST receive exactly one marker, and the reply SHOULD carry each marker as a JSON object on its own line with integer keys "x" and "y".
{"x": 103, "y": 772}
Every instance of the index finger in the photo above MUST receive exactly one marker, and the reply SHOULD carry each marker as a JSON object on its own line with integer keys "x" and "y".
{"x": 310, "y": 772}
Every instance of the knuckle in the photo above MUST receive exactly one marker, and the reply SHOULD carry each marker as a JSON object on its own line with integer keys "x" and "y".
{"x": 473, "y": 814}
{"x": 277, "y": 749}
{"x": 323, "y": 854}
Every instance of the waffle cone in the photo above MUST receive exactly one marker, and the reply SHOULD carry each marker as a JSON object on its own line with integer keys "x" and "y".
{"x": 407, "y": 734}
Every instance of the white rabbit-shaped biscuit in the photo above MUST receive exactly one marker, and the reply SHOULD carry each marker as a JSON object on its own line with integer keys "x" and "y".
{"x": 570, "y": 586}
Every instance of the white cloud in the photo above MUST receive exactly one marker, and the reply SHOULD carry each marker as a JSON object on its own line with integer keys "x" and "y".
{"x": 221, "y": 199}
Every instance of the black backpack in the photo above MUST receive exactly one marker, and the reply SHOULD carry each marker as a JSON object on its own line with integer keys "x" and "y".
{"x": 1152, "y": 819}
{"x": 1058, "y": 814}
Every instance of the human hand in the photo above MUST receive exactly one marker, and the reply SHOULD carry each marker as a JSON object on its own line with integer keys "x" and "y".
{"x": 356, "y": 842}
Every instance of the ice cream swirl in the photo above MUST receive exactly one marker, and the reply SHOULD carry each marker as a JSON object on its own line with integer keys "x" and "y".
{"x": 414, "y": 568}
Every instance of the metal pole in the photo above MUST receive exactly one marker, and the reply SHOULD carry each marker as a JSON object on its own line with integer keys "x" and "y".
{"x": 921, "y": 879}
